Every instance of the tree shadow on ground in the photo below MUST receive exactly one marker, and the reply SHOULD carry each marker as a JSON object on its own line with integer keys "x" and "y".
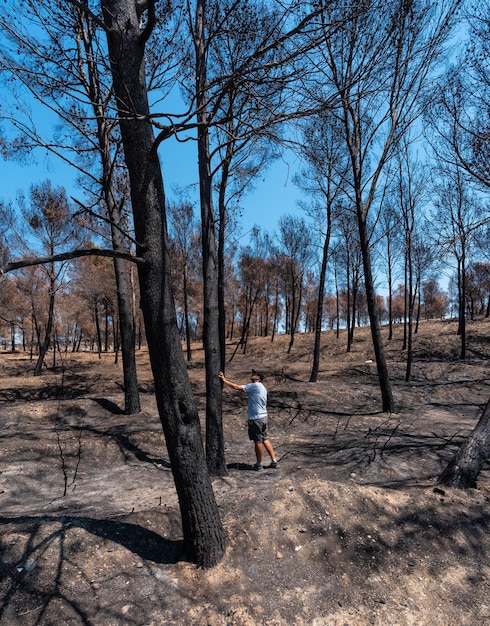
{"x": 56, "y": 535}
{"x": 110, "y": 406}
{"x": 125, "y": 444}
{"x": 137, "y": 539}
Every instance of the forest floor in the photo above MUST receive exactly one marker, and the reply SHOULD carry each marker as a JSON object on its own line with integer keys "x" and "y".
{"x": 351, "y": 529}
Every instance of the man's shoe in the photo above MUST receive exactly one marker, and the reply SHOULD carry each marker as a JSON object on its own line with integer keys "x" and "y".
{"x": 274, "y": 464}
{"x": 258, "y": 467}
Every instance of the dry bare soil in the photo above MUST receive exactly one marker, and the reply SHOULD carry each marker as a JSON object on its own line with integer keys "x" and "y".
{"x": 352, "y": 529}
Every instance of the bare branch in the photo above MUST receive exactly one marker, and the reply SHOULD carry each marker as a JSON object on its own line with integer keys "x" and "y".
{"x": 83, "y": 6}
{"x": 65, "y": 256}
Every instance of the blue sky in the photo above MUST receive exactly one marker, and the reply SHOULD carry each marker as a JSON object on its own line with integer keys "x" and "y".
{"x": 274, "y": 193}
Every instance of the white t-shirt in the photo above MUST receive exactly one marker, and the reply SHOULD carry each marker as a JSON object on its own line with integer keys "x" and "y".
{"x": 257, "y": 400}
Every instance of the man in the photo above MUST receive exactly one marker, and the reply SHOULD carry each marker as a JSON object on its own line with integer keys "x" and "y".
{"x": 257, "y": 416}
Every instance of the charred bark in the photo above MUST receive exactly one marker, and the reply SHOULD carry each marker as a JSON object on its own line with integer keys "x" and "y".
{"x": 215, "y": 447}
{"x": 204, "y": 536}
{"x": 465, "y": 466}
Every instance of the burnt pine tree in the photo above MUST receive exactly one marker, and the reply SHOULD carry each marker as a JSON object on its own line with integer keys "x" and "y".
{"x": 460, "y": 119}
{"x": 229, "y": 66}
{"x": 240, "y": 73}
{"x": 107, "y": 146}
{"x": 327, "y": 166}
{"x": 465, "y": 466}
{"x": 215, "y": 448}
{"x": 128, "y": 26}
{"x": 73, "y": 84}
{"x": 185, "y": 237}
{"x": 377, "y": 64}
{"x": 50, "y": 220}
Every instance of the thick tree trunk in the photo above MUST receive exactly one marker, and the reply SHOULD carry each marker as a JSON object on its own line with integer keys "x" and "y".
{"x": 464, "y": 468}
{"x": 204, "y": 536}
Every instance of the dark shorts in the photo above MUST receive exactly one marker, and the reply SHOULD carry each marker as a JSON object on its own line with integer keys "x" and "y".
{"x": 257, "y": 430}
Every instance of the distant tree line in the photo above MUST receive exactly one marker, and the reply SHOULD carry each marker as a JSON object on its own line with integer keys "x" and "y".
{"x": 270, "y": 288}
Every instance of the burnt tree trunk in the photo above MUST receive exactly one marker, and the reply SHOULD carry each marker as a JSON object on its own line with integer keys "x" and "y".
{"x": 204, "y": 536}
{"x": 464, "y": 468}
{"x": 382, "y": 367}
{"x": 215, "y": 446}
{"x": 319, "y": 307}
{"x": 44, "y": 346}
{"x": 94, "y": 91}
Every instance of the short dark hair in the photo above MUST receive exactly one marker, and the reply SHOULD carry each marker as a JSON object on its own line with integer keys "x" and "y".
{"x": 258, "y": 373}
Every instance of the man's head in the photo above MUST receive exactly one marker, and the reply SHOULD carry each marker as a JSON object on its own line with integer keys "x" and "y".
{"x": 258, "y": 374}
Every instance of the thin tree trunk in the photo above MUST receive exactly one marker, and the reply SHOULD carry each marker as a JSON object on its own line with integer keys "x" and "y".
{"x": 12, "y": 337}
{"x": 44, "y": 346}
{"x": 276, "y": 311}
{"x": 215, "y": 446}
{"x": 390, "y": 290}
{"x": 221, "y": 254}
{"x": 348, "y": 306}
{"x": 126, "y": 322}
{"x": 409, "y": 300}
{"x": 382, "y": 368}
{"x": 106, "y": 326}
{"x": 97, "y": 328}
{"x": 124, "y": 303}
{"x": 462, "y": 309}
{"x": 295, "y": 310}
{"x": 319, "y": 307}
{"x": 247, "y": 316}
{"x": 187, "y": 325}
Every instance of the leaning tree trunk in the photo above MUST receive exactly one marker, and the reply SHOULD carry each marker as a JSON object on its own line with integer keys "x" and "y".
{"x": 383, "y": 377}
{"x": 204, "y": 536}
{"x": 464, "y": 468}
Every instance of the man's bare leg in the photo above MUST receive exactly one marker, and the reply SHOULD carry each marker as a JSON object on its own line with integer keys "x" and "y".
{"x": 270, "y": 449}
{"x": 259, "y": 449}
